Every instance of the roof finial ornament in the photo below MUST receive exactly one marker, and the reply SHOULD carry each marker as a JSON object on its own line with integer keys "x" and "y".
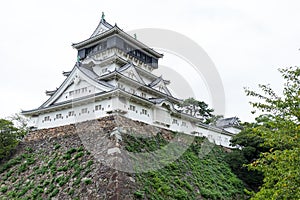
{"x": 135, "y": 36}
{"x": 103, "y": 16}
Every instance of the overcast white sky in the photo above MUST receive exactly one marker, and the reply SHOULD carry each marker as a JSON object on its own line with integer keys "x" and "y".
{"x": 247, "y": 41}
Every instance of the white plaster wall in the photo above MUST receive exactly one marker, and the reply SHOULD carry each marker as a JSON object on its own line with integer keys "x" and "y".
{"x": 150, "y": 118}
{"x": 232, "y": 130}
{"x": 214, "y": 137}
{"x": 78, "y": 115}
{"x": 182, "y": 125}
{"x": 137, "y": 114}
{"x": 82, "y": 84}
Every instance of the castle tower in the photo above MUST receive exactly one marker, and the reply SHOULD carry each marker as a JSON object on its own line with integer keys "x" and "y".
{"x": 113, "y": 75}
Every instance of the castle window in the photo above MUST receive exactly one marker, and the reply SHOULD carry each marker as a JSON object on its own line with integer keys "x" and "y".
{"x": 58, "y": 116}
{"x": 183, "y": 124}
{"x": 84, "y": 110}
{"x": 143, "y": 95}
{"x": 104, "y": 70}
{"x": 47, "y": 118}
{"x": 121, "y": 86}
{"x": 84, "y": 89}
{"x": 71, "y": 113}
{"x": 77, "y": 91}
{"x": 144, "y": 112}
{"x": 174, "y": 121}
{"x": 131, "y": 107}
{"x": 143, "y": 57}
{"x": 71, "y": 93}
{"x": 98, "y": 107}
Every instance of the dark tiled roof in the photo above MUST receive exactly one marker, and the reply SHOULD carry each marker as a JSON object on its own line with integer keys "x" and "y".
{"x": 156, "y": 100}
{"x": 123, "y": 68}
{"x": 50, "y": 93}
{"x": 227, "y": 122}
{"x": 155, "y": 82}
{"x": 92, "y": 75}
{"x": 67, "y": 73}
{"x": 103, "y": 22}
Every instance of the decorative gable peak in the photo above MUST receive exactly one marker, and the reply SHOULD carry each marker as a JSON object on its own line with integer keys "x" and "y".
{"x": 158, "y": 81}
{"x": 102, "y": 26}
{"x": 228, "y": 122}
{"x": 130, "y": 71}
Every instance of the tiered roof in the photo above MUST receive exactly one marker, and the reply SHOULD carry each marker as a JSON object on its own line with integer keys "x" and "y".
{"x": 83, "y": 69}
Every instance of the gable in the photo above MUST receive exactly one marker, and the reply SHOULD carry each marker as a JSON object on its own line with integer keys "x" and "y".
{"x": 162, "y": 88}
{"x": 130, "y": 72}
{"x": 77, "y": 89}
{"x": 75, "y": 81}
{"x": 101, "y": 28}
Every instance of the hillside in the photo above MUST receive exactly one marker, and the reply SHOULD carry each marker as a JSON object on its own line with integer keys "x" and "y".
{"x": 54, "y": 164}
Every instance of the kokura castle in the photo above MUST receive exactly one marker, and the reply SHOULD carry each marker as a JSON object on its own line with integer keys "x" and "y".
{"x": 113, "y": 76}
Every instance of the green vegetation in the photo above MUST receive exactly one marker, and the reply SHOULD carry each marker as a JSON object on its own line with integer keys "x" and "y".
{"x": 9, "y": 138}
{"x": 199, "y": 109}
{"x": 26, "y": 180}
{"x": 189, "y": 177}
{"x": 39, "y": 174}
{"x": 272, "y": 142}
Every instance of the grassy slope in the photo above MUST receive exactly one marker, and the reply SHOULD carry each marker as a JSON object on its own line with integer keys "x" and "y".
{"x": 68, "y": 171}
{"x": 189, "y": 177}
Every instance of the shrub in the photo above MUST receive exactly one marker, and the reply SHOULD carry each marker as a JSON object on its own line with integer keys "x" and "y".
{"x": 138, "y": 194}
{"x": 71, "y": 192}
{"x": 54, "y": 193}
{"x": 67, "y": 156}
{"x": 62, "y": 168}
{"x": 87, "y": 181}
{"x": 29, "y": 149}
{"x": 56, "y": 146}
{"x": 9, "y": 138}
{"x": 78, "y": 155}
{"x": 72, "y": 150}
{"x": 23, "y": 167}
{"x": 3, "y": 189}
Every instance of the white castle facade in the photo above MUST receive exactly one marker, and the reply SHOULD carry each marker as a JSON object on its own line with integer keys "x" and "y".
{"x": 113, "y": 75}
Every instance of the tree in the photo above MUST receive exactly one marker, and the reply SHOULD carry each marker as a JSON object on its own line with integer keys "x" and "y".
{"x": 9, "y": 138}
{"x": 280, "y": 132}
{"x": 20, "y": 122}
{"x": 250, "y": 150}
{"x": 197, "y": 109}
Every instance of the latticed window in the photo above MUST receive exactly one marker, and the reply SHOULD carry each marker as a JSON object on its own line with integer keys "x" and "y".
{"x": 84, "y": 89}
{"x": 144, "y": 112}
{"x": 131, "y": 107}
{"x": 174, "y": 121}
{"x": 84, "y": 110}
{"x": 98, "y": 107}
{"x": 58, "y": 116}
{"x": 71, "y": 113}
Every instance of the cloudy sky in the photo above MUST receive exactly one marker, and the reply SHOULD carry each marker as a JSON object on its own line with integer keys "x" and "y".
{"x": 246, "y": 40}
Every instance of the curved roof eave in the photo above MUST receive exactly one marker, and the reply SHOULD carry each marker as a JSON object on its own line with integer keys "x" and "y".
{"x": 116, "y": 30}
